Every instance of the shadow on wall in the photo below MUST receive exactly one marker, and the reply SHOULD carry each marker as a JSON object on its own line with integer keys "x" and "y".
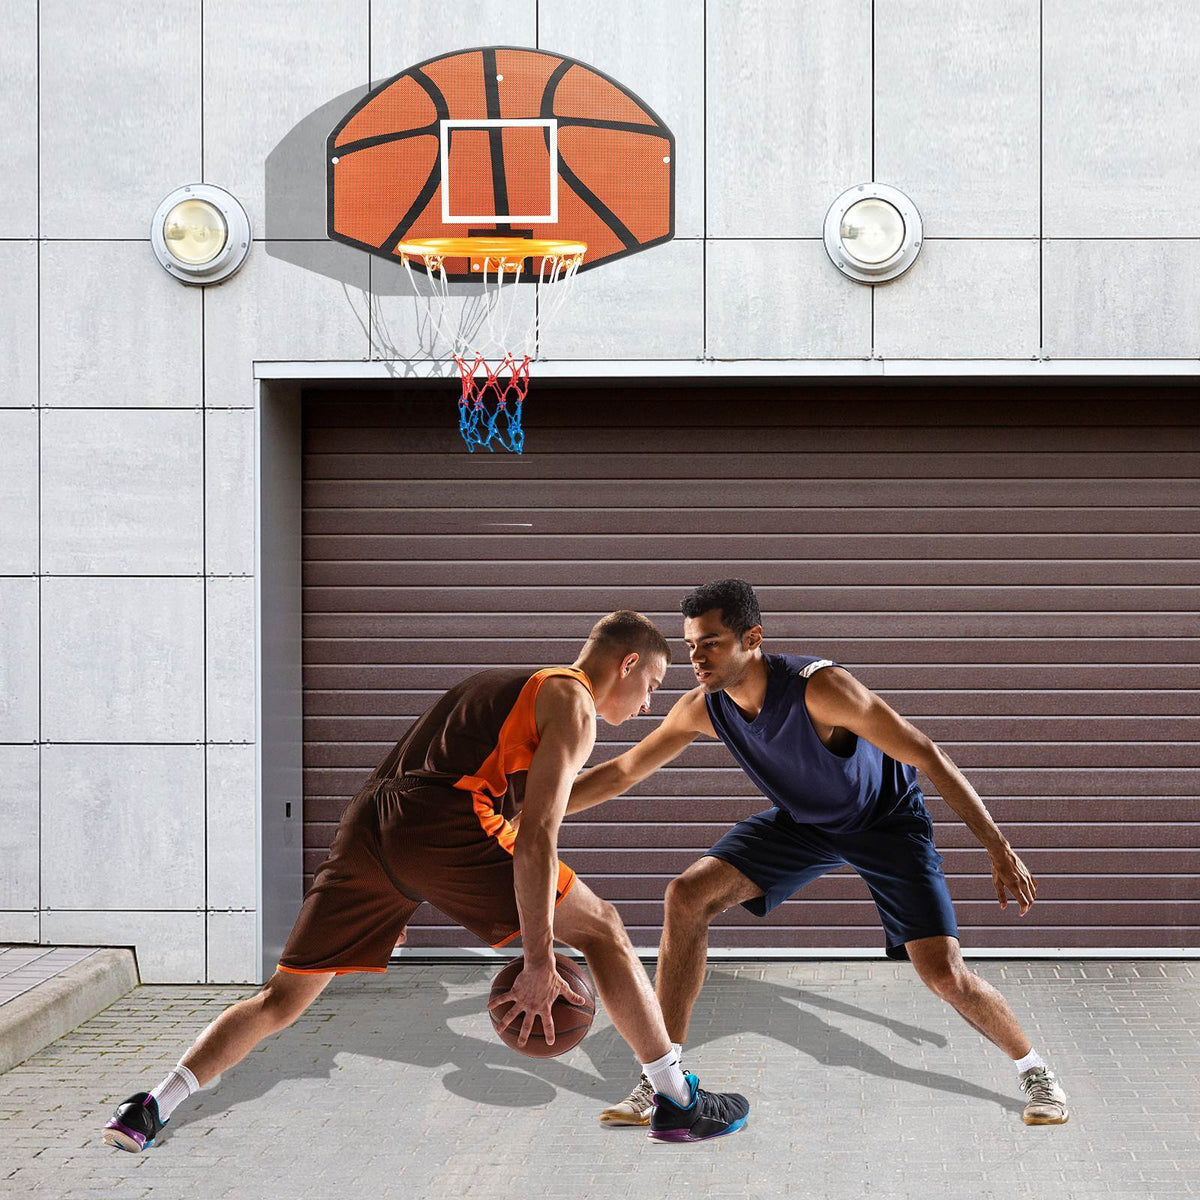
{"x": 401, "y": 332}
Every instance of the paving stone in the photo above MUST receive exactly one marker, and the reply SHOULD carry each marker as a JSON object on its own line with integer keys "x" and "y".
{"x": 863, "y": 1084}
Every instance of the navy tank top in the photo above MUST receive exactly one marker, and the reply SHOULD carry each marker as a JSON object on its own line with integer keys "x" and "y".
{"x": 795, "y": 770}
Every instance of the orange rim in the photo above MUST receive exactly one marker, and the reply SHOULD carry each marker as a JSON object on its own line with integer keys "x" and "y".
{"x": 503, "y": 249}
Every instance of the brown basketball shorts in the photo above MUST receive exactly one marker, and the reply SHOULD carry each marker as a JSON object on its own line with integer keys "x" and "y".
{"x": 397, "y": 845}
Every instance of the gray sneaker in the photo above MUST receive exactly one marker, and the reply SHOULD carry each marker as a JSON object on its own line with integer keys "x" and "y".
{"x": 1047, "y": 1102}
{"x": 635, "y": 1109}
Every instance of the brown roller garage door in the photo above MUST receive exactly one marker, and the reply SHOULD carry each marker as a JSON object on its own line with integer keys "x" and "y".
{"x": 1010, "y": 564}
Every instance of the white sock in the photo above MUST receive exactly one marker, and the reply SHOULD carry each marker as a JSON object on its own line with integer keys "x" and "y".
{"x": 678, "y": 1048}
{"x": 1032, "y": 1059}
{"x": 667, "y": 1079}
{"x": 178, "y": 1085}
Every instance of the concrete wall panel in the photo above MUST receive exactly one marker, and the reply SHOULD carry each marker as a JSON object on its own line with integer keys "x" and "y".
{"x": 230, "y": 659}
{"x": 644, "y": 306}
{"x": 962, "y": 299}
{"x": 120, "y": 113}
{"x": 232, "y": 834}
{"x": 229, "y": 491}
{"x": 19, "y": 118}
{"x": 169, "y": 946}
{"x": 1120, "y": 118}
{"x": 789, "y": 113}
{"x": 232, "y": 947}
{"x": 267, "y": 66}
{"x": 956, "y": 113}
{"x": 1121, "y": 299}
{"x": 19, "y": 324}
{"x": 137, "y": 476}
{"x": 18, "y": 661}
{"x": 116, "y": 330}
{"x": 19, "y": 882}
{"x": 782, "y": 299}
{"x": 123, "y": 827}
{"x": 122, "y": 660}
{"x": 19, "y": 491}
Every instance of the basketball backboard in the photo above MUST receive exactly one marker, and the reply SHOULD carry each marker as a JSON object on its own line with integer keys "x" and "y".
{"x": 502, "y": 140}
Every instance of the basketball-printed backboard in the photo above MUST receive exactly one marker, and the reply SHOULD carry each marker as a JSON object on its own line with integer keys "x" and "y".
{"x": 502, "y": 140}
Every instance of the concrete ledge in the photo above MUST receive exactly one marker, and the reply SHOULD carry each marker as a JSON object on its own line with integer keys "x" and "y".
{"x": 59, "y": 1004}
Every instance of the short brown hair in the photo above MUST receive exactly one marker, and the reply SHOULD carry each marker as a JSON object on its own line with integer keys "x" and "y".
{"x": 628, "y": 632}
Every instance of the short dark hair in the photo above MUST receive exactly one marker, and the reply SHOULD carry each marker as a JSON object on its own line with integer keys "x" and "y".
{"x": 628, "y": 632}
{"x": 734, "y": 597}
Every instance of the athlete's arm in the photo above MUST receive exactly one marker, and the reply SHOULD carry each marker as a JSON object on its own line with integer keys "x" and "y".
{"x": 566, "y": 722}
{"x": 567, "y": 731}
{"x": 688, "y": 718}
{"x": 836, "y": 698}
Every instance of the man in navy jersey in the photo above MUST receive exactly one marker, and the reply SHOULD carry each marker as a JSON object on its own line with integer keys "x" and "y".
{"x": 840, "y": 769}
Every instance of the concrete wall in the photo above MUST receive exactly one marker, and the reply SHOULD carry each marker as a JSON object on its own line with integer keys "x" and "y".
{"x": 1050, "y": 146}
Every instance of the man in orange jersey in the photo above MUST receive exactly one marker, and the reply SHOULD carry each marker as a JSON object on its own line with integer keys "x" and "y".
{"x": 429, "y": 825}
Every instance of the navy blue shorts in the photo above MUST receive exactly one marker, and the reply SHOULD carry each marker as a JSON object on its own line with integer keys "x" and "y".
{"x": 895, "y": 856}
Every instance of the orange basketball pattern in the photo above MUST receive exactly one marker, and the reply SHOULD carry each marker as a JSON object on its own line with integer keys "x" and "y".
{"x": 616, "y": 158}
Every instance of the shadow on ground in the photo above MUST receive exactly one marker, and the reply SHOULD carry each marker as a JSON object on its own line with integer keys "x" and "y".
{"x": 483, "y": 1070}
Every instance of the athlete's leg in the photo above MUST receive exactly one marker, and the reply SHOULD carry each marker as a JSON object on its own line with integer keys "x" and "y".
{"x": 677, "y": 1108}
{"x": 351, "y": 917}
{"x": 939, "y": 963}
{"x": 693, "y": 899}
{"x": 583, "y": 920}
{"x": 138, "y": 1120}
{"x": 240, "y": 1028}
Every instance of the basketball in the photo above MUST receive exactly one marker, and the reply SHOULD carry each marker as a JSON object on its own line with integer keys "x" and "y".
{"x": 571, "y": 1022}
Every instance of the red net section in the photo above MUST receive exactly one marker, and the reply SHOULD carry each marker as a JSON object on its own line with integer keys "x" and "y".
{"x": 490, "y": 408}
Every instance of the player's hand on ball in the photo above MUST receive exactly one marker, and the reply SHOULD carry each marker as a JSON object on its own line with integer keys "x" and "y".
{"x": 1011, "y": 877}
{"x": 533, "y": 994}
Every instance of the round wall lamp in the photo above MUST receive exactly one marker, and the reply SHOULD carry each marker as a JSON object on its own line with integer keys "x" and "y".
{"x": 200, "y": 234}
{"x": 872, "y": 233}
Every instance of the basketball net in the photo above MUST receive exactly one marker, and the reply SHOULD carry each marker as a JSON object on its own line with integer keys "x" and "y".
{"x": 492, "y": 324}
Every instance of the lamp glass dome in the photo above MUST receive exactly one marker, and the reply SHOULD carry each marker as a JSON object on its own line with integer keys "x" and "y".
{"x": 195, "y": 232}
{"x": 872, "y": 230}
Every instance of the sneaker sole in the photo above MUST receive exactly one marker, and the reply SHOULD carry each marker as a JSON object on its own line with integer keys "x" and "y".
{"x": 125, "y": 1139}
{"x": 619, "y": 1119}
{"x": 1047, "y": 1120}
{"x": 684, "y": 1135}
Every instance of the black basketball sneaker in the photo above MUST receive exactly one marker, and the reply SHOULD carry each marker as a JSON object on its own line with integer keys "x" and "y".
{"x": 709, "y": 1115}
{"x": 135, "y": 1124}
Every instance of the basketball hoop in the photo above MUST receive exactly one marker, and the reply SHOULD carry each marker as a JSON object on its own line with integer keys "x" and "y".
{"x": 492, "y": 341}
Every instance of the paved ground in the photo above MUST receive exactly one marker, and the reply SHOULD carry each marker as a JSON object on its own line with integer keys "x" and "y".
{"x": 864, "y": 1084}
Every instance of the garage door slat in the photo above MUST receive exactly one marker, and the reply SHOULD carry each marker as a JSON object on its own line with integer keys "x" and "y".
{"x": 596, "y": 518}
{"x": 806, "y": 627}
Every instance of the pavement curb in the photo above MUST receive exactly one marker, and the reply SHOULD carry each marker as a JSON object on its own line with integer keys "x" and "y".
{"x": 32, "y": 1021}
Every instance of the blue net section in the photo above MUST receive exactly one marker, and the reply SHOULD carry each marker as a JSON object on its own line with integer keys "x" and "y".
{"x": 490, "y": 408}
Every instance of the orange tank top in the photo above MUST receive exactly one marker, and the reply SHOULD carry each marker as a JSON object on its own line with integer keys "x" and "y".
{"x": 518, "y": 737}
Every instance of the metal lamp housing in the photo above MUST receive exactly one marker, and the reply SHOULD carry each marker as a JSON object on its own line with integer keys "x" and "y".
{"x": 841, "y": 253}
{"x": 237, "y": 235}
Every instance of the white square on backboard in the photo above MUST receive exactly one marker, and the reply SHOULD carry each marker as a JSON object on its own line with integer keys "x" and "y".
{"x": 551, "y": 218}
